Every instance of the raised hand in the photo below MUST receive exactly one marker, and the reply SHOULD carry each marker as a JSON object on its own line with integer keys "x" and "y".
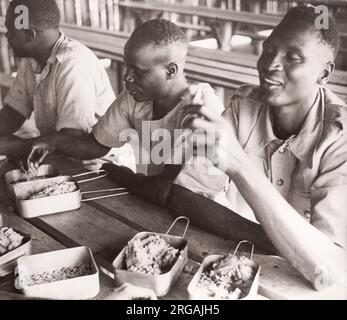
{"x": 41, "y": 147}
{"x": 214, "y": 133}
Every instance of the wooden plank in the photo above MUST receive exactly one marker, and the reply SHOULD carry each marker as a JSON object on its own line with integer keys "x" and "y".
{"x": 212, "y": 13}
{"x": 70, "y": 11}
{"x": 233, "y": 69}
{"x": 107, "y": 225}
{"x": 40, "y": 241}
{"x": 5, "y": 57}
{"x": 103, "y": 14}
{"x": 94, "y": 13}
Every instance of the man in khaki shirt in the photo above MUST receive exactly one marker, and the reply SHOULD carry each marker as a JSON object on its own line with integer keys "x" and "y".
{"x": 283, "y": 145}
{"x": 151, "y": 104}
{"x": 58, "y": 79}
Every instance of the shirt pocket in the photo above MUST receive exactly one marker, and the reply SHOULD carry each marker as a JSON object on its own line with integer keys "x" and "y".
{"x": 300, "y": 191}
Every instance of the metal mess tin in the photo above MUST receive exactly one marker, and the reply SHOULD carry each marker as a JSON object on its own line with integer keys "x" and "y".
{"x": 31, "y": 208}
{"x": 161, "y": 283}
{"x": 80, "y": 287}
{"x": 8, "y": 260}
{"x": 198, "y": 293}
{"x": 17, "y": 180}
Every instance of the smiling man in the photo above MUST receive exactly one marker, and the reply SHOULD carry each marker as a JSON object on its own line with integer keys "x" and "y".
{"x": 156, "y": 92}
{"x": 283, "y": 145}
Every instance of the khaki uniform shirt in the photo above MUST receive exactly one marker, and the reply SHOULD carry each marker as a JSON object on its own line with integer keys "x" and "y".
{"x": 72, "y": 90}
{"x": 309, "y": 170}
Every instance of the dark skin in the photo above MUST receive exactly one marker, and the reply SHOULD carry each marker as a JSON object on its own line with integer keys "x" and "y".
{"x": 293, "y": 66}
{"x": 36, "y": 43}
{"x": 202, "y": 212}
{"x": 151, "y": 74}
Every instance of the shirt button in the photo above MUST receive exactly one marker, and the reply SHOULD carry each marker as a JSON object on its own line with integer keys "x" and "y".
{"x": 307, "y": 214}
{"x": 282, "y": 151}
{"x": 280, "y": 182}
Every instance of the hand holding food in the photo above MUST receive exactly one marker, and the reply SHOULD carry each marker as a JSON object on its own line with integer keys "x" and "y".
{"x": 41, "y": 147}
{"x": 218, "y": 137}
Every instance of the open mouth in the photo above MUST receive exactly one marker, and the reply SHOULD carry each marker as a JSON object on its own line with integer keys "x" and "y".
{"x": 272, "y": 83}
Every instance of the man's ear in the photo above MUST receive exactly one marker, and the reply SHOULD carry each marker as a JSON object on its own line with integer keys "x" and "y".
{"x": 31, "y": 34}
{"x": 326, "y": 73}
{"x": 171, "y": 70}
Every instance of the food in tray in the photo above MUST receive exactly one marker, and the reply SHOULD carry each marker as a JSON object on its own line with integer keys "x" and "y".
{"x": 56, "y": 275}
{"x": 55, "y": 188}
{"x": 230, "y": 277}
{"x": 152, "y": 255}
{"x": 9, "y": 240}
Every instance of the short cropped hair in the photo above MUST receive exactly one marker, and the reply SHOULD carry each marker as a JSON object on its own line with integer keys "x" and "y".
{"x": 305, "y": 16}
{"x": 42, "y": 13}
{"x": 160, "y": 32}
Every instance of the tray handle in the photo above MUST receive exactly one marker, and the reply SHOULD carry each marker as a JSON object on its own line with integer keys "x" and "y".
{"x": 245, "y": 241}
{"x": 186, "y": 228}
{"x": 125, "y": 191}
{"x": 102, "y": 172}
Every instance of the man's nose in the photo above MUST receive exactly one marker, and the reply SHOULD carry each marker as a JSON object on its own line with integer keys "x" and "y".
{"x": 274, "y": 63}
{"x": 128, "y": 75}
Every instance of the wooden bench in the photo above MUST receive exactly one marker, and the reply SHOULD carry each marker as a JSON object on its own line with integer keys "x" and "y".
{"x": 221, "y": 23}
{"x": 226, "y": 70}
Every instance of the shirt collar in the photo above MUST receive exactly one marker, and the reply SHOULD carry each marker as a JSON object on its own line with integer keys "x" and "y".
{"x": 262, "y": 134}
{"x": 51, "y": 59}
{"x": 303, "y": 145}
{"x": 306, "y": 141}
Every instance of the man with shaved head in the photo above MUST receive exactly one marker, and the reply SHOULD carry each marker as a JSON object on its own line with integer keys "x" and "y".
{"x": 156, "y": 91}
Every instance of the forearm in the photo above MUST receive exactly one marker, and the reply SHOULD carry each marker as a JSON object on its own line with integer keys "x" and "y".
{"x": 78, "y": 146}
{"x": 10, "y": 120}
{"x": 310, "y": 251}
{"x": 217, "y": 219}
{"x": 202, "y": 212}
{"x": 13, "y": 146}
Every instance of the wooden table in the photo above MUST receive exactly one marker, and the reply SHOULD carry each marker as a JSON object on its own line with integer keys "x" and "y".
{"x": 106, "y": 225}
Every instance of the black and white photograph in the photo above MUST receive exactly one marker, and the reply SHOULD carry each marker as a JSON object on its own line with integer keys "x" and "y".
{"x": 192, "y": 152}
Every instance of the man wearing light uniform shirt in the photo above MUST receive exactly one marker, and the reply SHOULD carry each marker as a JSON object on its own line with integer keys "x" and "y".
{"x": 156, "y": 92}
{"x": 283, "y": 145}
{"x": 59, "y": 80}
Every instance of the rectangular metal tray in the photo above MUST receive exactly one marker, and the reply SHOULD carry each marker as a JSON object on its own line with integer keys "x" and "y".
{"x": 45, "y": 172}
{"x": 8, "y": 260}
{"x": 31, "y": 208}
{"x": 160, "y": 284}
{"x": 196, "y": 293}
{"x": 83, "y": 287}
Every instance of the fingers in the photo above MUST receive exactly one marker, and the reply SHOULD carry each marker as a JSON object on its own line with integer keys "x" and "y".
{"x": 39, "y": 162}
{"x": 131, "y": 292}
{"x": 35, "y": 158}
{"x": 203, "y": 124}
{"x": 204, "y": 112}
{"x": 31, "y": 161}
{"x": 22, "y": 166}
